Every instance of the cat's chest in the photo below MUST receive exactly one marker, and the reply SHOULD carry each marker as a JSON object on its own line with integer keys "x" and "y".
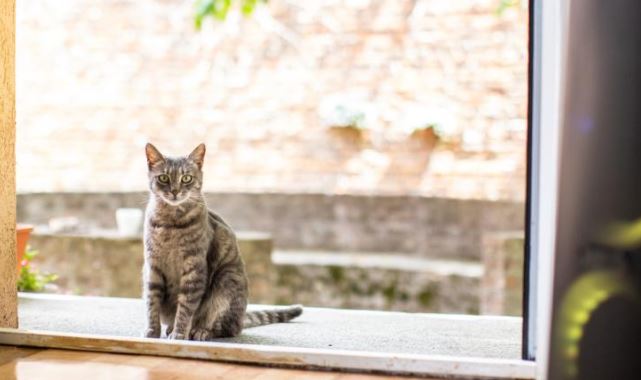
{"x": 164, "y": 249}
{"x": 169, "y": 261}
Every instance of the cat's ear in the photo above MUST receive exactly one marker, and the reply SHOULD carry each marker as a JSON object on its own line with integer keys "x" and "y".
{"x": 198, "y": 155}
{"x": 154, "y": 157}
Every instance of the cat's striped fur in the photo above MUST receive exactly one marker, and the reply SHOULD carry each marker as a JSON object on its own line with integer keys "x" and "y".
{"x": 194, "y": 276}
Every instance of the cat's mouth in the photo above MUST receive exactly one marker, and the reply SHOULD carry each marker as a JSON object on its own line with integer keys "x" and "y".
{"x": 173, "y": 202}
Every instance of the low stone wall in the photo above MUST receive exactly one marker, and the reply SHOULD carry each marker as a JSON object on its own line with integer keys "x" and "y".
{"x": 460, "y": 232}
{"x": 375, "y": 289}
{"x": 425, "y": 227}
{"x": 502, "y": 284}
{"x": 106, "y": 264}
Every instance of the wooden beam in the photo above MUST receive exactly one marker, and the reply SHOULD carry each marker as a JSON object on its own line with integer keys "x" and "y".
{"x": 76, "y": 365}
{"x": 296, "y": 357}
{"x": 8, "y": 294}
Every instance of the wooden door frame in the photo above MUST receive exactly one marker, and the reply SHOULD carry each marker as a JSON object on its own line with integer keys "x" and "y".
{"x": 8, "y": 293}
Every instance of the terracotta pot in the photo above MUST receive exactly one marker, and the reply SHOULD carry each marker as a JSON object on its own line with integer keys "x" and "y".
{"x": 426, "y": 137}
{"x": 349, "y": 135}
{"x": 22, "y": 231}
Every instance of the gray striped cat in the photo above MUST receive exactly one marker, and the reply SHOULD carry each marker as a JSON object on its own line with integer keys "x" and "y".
{"x": 194, "y": 277}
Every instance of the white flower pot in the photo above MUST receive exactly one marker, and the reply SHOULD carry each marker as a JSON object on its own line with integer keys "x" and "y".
{"x": 129, "y": 221}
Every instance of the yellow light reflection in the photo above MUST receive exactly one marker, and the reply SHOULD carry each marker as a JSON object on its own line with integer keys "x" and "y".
{"x": 623, "y": 234}
{"x": 581, "y": 300}
{"x": 575, "y": 332}
{"x": 581, "y": 316}
{"x": 572, "y": 352}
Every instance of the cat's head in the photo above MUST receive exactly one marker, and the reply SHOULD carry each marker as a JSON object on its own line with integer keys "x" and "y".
{"x": 175, "y": 179}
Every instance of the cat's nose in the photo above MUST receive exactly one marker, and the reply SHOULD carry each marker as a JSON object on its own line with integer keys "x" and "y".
{"x": 174, "y": 192}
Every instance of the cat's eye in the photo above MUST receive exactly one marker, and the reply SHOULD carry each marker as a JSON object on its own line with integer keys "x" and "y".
{"x": 186, "y": 178}
{"x": 163, "y": 178}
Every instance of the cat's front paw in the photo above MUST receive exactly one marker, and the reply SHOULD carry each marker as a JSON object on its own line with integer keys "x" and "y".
{"x": 176, "y": 336}
{"x": 200, "y": 334}
{"x": 152, "y": 333}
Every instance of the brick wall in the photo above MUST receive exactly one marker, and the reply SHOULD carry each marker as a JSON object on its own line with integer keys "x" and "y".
{"x": 97, "y": 79}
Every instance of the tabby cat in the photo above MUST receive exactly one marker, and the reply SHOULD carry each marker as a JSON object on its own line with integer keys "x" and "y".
{"x": 194, "y": 277}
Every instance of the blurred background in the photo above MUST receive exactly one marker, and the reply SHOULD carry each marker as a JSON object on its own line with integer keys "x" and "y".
{"x": 370, "y": 153}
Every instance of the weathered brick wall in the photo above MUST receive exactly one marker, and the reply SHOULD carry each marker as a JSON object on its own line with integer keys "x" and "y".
{"x": 97, "y": 79}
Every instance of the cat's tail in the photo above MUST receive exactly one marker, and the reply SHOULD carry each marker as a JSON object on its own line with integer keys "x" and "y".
{"x": 266, "y": 317}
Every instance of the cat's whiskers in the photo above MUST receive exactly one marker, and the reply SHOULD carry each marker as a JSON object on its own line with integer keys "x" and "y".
{"x": 197, "y": 198}
{"x": 142, "y": 200}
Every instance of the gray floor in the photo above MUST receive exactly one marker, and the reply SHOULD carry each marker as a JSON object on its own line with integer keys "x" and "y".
{"x": 489, "y": 337}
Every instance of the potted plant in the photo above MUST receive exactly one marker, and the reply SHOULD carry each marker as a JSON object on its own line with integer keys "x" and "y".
{"x": 22, "y": 237}
{"x": 348, "y": 116}
{"x": 30, "y": 279}
{"x": 426, "y": 135}
{"x": 427, "y": 126}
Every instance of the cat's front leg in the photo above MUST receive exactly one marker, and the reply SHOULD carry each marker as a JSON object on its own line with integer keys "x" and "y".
{"x": 169, "y": 322}
{"x": 154, "y": 292}
{"x": 192, "y": 288}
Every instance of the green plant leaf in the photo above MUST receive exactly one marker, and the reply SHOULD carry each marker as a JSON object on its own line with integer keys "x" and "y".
{"x": 219, "y": 9}
{"x": 505, "y": 5}
{"x": 203, "y": 8}
{"x": 30, "y": 254}
{"x": 31, "y": 280}
{"x": 248, "y": 7}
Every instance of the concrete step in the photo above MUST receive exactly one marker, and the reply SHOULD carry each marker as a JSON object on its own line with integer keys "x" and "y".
{"x": 360, "y": 280}
{"x": 392, "y": 261}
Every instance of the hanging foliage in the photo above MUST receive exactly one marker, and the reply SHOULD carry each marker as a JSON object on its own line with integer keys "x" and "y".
{"x": 219, "y": 9}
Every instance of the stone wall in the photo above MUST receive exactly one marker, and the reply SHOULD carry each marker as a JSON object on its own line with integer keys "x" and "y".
{"x": 375, "y": 288}
{"x": 426, "y": 227}
{"x": 98, "y": 79}
{"x": 417, "y": 254}
{"x": 502, "y": 283}
{"x": 105, "y": 264}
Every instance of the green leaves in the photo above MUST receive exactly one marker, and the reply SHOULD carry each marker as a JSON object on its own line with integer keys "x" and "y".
{"x": 505, "y": 5}
{"x": 31, "y": 280}
{"x": 218, "y": 9}
{"x": 203, "y": 8}
{"x": 248, "y": 7}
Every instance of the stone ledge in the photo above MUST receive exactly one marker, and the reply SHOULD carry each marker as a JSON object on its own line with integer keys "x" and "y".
{"x": 392, "y": 261}
{"x": 392, "y": 281}
{"x": 107, "y": 264}
{"x": 111, "y": 234}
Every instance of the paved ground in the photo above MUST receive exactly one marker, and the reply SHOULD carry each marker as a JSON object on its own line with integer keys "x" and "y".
{"x": 475, "y": 336}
